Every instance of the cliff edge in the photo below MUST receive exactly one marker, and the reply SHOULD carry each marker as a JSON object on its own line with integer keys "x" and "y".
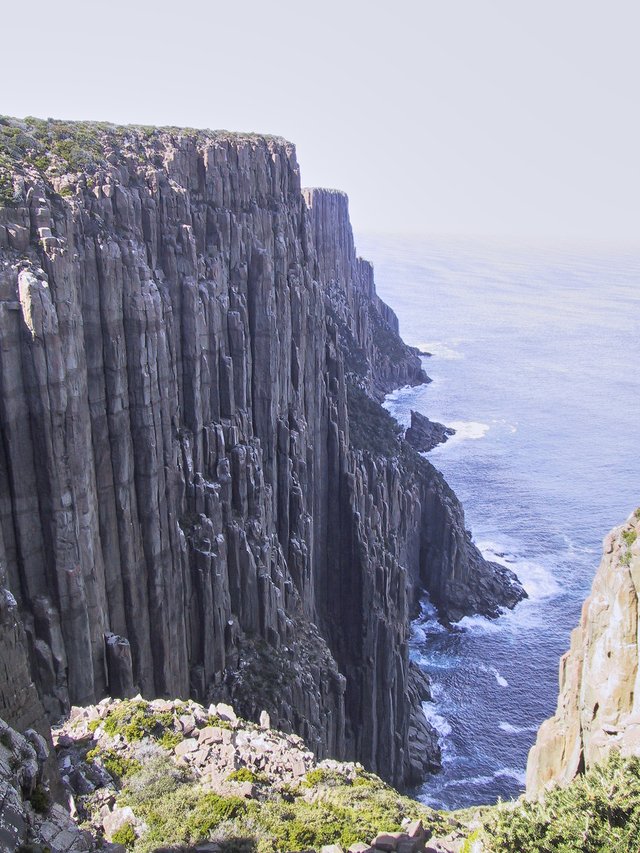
{"x": 199, "y": 494}
{"x": 599, "y": 701}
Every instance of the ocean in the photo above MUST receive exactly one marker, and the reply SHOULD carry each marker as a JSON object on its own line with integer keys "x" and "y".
{"x": 535, "y": 362}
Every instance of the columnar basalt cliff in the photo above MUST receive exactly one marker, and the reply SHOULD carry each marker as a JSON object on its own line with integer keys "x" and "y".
{"x": 198, "y": 494}
{"x": 599, "y": 700}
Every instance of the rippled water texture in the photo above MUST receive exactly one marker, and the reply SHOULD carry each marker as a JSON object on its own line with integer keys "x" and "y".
{"x": 536, "y": 363}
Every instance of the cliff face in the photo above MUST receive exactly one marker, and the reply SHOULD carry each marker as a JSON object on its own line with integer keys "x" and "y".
{"x": 599, "y": 701}
{"x": 184, "y": 508}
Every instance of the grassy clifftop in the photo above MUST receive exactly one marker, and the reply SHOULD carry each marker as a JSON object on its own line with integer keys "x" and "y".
{"x": 54, "y": 147}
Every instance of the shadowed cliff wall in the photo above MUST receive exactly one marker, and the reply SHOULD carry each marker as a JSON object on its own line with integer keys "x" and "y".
{"x": 181, "y": 508}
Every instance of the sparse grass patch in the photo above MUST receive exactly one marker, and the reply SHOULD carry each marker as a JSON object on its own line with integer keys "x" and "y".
{"x": 135, "y": 720}
{"x": 327, "y": 808}
{"x": 170, "y": 740}
{"x": 117, "y": 765}
{"x": 319, "y": 776}
{"x": 629, "y": 536}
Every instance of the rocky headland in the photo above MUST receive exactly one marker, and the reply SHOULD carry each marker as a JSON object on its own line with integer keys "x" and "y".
{"x": 423, "y": 434}
{"x": 201, "y": 497}
{"x": 199, "y": 493}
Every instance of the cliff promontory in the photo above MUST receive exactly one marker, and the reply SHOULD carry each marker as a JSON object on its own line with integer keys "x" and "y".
{"x": 599, "y": 701}
{"x": 199, "y": 494}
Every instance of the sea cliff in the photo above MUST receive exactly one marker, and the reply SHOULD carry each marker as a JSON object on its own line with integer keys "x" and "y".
{"x": 599, "y": 701}
{"x": 199, "y": 493}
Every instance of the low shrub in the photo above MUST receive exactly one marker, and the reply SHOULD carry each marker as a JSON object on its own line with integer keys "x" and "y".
{"x": 126, "y": 835}
{"x": 117, "y": 765}
{"x": 598, "y": 812}
{"x": 244, "y": 774}
{"x": 170, "y": 740}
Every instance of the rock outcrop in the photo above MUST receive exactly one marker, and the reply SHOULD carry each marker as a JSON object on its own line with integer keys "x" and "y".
{"x": 29, "y": 819}
{"x": 599, "y": 700}
{"x": 198, "y": 494}
{"x": 423, "y": 435}
{"x": 130, "y": 767}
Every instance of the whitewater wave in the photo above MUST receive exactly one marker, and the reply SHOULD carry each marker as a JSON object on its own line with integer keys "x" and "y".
{"x": 466, "y": 431}
{"x": 516, "y": 730}
{"x": 439, "y": 723}
{"x": 509, "y": 772}
{"x": 440, "y": 349}
{"x": 479, "y": 625}
{"x": 491, "y": 670}
{"x": 539, "y": 581}
{"x": 443, "y": 730}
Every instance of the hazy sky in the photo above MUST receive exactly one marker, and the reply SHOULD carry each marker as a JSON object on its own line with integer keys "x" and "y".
{"x": 436, "y": 116}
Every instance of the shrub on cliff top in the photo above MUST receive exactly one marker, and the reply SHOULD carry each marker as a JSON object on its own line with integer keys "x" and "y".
{"x": 328, "y": 808}
{"x": 126, "y": 836}
{"x": 135, "y": 720}
{"x": 117, "y": 765}
{"x": 597, "y": 813}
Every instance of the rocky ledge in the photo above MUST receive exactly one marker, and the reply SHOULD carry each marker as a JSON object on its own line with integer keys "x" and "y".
{"x": 423, "y": 435}
{"x": 146, "y": 776}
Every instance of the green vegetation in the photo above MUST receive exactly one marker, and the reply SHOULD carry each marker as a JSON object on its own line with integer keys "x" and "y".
{"x": 597, "y": 813}
{"x": 629, "y": 536}
{"x": 244, "y": 774}
{"x": 170, "y": 740}
{"x": 126, "y": 836}
{"x": 135, "y": 720}
{"x": 184, "y": 814}
{"x": 117, "y": 765}
{"x": 215, "y": 720}
{"x": 6, "y": 186}
{"x": 370, "y": 426}
{"x": 58, "y": 147}
{"x": 326, "y": 807}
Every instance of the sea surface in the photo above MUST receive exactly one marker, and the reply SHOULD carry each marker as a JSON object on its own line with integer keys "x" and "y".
{"x": 535, "y": 361}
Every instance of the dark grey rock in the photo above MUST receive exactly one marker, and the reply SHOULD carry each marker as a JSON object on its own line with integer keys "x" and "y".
{"x": 423, "y": 435}
{"x": 176, "y": 467}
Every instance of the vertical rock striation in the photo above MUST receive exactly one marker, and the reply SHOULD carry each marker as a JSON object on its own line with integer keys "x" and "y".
{"x": 599, "y": 699}
{"x": 198, "y": 494}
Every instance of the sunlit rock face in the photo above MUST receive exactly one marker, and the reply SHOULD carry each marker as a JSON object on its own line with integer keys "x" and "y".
{"x": 599, "y": 700}
{"x": 185, "y": 509}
